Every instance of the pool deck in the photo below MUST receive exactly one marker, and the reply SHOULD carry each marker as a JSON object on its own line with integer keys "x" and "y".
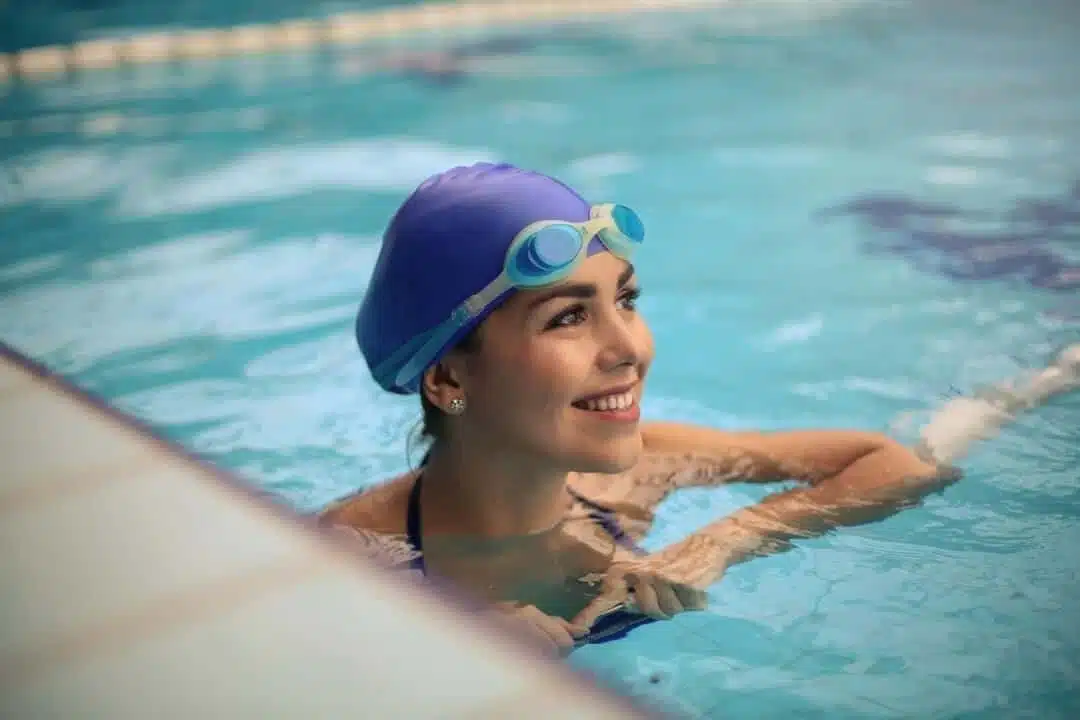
{"x": 141, "y": 582}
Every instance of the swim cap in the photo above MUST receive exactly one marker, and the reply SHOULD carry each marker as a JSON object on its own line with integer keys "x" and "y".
{"x": 447, "y": 241}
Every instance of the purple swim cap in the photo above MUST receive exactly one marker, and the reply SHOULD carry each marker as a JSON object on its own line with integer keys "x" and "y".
{"x": 446, "y": 242}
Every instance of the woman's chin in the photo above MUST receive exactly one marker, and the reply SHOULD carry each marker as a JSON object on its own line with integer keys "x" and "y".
{"x": 610, "y": 457}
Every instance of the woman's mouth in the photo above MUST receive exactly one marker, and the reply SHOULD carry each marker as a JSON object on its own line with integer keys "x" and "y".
{"x": 621, "y": 407}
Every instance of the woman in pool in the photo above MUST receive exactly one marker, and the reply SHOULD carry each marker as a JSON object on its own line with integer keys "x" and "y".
{"x": 507, "y": 302}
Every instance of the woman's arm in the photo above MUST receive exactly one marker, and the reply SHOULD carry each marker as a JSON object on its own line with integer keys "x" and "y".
{"x": 681, "y": 456}
{"x": 873, "y": 485}
{"x": 693, "y": 456}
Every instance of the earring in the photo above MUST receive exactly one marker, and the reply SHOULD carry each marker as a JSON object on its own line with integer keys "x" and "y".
{"x": 457, "y": 406}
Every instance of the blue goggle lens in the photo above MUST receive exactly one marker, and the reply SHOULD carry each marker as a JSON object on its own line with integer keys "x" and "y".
{"x": 545, "y": 252}
{"x": 629, "y": 223}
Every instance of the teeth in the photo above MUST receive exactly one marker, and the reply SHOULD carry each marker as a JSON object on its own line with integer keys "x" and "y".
{"x": 621, "y": 401}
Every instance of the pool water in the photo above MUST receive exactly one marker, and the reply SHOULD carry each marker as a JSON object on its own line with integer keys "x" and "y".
{"x": 854, "y": 211}
{"x": 27, "y": 24}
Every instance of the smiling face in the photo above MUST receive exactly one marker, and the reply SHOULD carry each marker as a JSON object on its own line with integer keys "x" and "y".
{"x": 560, "y": 371}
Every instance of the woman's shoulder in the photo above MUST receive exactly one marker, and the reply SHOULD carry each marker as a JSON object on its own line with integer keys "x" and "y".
{"x": 372, "y": 522}
{"x": 377, "y": 509}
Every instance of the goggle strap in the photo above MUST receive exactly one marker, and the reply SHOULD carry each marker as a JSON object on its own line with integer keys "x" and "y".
{"x": 432, "y": 343}
{"x": 439, "y": 336}
{"x": 481, "y": 300}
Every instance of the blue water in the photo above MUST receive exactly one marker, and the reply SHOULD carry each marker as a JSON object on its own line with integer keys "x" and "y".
{"x": 34, "y": 23}
{"x": 854, "y": 211}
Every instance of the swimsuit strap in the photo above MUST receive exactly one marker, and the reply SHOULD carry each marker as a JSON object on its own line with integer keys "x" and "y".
{"x": 608, "y": 519}
{"x": 603, "y": 516}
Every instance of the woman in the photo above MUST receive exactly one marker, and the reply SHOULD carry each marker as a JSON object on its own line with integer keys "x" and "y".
{"x": 507, "y": 302}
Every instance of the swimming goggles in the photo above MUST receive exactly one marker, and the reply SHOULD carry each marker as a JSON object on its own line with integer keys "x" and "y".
{"x": 542, "y": 254}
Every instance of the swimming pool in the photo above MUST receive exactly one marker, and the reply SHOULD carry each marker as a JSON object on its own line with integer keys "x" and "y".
{"x": 851, "y": 212}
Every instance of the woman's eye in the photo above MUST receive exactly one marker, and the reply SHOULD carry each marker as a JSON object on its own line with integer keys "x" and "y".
{"x": 629, "y": 299}
{"x": 568, "y": 318}
{"x": 576, "y": 315}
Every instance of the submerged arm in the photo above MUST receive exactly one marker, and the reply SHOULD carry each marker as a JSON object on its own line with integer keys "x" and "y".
{"x": 874, "y": 485}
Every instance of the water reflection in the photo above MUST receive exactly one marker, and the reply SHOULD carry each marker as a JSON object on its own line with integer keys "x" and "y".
{"x": 1029, "y": 242}
{"x": 556, "y": 570}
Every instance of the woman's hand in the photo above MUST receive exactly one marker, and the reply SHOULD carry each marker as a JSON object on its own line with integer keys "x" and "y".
{"x": 648, "y": 586}
{"x": 964, "y": 421}
{"x": 552, "y": 634}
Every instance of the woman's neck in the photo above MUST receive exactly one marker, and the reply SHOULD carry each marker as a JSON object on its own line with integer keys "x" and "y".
{"x": 490, "y": 496}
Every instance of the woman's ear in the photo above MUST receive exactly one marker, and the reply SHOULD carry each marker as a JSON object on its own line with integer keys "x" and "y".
{"x": 441, "y": 385}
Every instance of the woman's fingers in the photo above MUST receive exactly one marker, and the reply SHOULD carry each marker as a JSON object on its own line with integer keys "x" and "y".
{"x": 645, "y": 592}
{"x": 554, "y": 632}
{"x": 691, "y": 598}
{"x": 602, "y": 604}
{"x": 653, "y": 597}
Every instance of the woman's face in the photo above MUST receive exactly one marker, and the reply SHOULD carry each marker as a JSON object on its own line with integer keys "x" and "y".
{"x": 560, "y": 371}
